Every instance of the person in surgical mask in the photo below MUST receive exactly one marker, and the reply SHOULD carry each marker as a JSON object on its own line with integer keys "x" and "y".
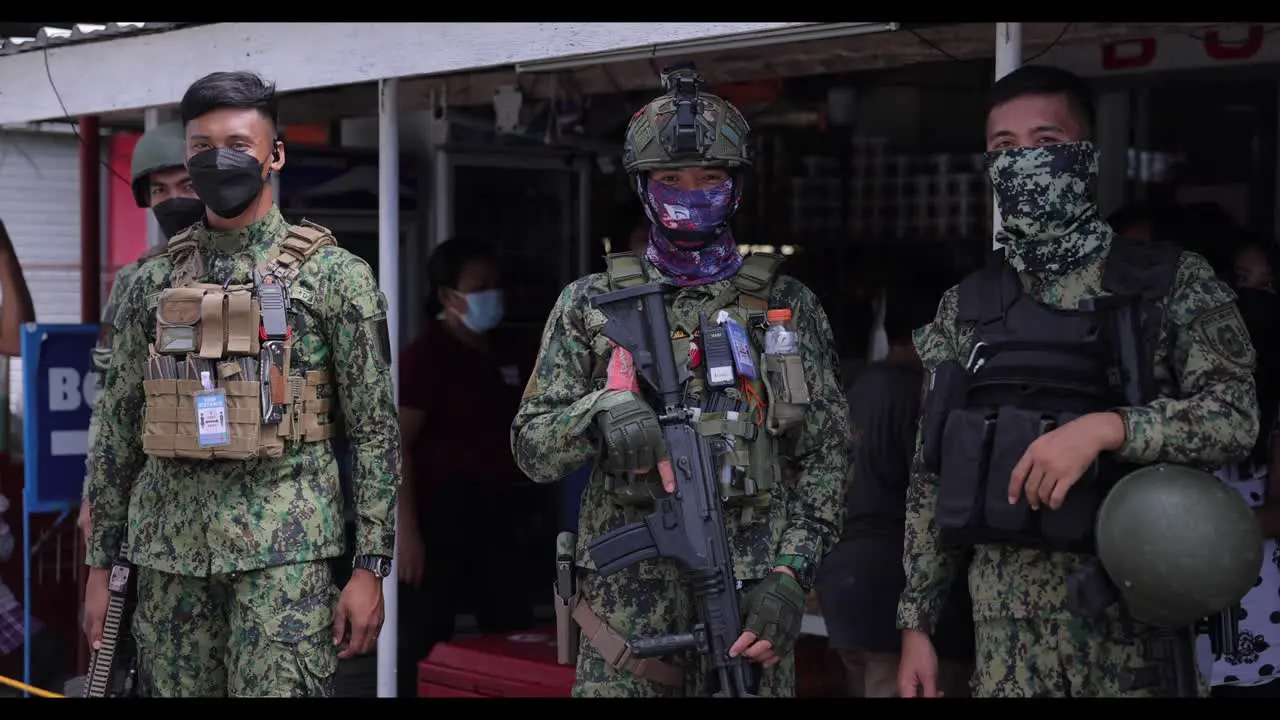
{"x": 460, "y": 383}
{"x": 1004, "y": 341}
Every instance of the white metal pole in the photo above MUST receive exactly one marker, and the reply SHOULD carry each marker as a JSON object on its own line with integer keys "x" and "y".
{"x": 389, "y": 283}
{"x": 1008, "y": 59}
{"x": 152, "y": 117}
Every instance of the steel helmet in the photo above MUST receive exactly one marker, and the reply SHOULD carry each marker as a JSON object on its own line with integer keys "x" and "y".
{"x": 163, "y": 147}
{"x": 1178, "y": 543}
{"x": 686, "y": 127}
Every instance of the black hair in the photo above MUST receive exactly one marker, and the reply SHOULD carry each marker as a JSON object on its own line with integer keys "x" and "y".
{"x": 444, "y": 267}
{"x": 1044, "y": 80}
{"x": 236, "y": 89}
{"x": 908, "y": 307}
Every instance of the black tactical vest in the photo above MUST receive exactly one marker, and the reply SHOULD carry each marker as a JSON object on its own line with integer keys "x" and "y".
{"x": 1034, "y": 368}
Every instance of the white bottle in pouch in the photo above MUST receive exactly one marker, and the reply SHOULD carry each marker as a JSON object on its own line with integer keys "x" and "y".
{"x": 780, "y": 338}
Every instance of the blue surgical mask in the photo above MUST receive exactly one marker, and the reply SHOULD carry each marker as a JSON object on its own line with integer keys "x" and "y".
{"x": 484, "y": 310}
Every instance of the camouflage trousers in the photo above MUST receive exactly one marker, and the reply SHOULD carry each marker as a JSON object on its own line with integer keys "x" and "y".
{"x": 261, "y": 633}
{"x": 1057, "y": 658}
{"x": 648, "y": 599}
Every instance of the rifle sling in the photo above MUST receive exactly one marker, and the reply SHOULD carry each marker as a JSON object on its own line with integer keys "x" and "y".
{"x": 617, "y": 652}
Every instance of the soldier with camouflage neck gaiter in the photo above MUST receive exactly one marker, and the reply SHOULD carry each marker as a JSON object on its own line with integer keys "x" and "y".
{"x": 1030, "y": 418}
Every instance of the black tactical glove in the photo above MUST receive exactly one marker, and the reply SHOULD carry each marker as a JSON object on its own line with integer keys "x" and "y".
{"x": 631, "y": 434}
{"x": 773, "y": 610}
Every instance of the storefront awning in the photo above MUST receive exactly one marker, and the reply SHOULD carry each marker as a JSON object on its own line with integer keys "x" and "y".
{"x": 79, "y": 78}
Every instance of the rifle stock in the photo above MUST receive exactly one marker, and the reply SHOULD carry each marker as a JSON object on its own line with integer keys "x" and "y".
{"x": 111, "y": 672}
{"x": 688, "y": 525}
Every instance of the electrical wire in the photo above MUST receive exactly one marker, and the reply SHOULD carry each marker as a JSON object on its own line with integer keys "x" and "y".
{"x": 1052, "y": 44}
{"x": 942, "y": 51}
{"x": 75, "y": 124}
{"x": 926, "y": 41}
{"x": 17, "y": 685}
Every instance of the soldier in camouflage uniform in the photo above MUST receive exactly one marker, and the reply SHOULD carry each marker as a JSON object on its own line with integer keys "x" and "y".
{"x": 235, "y": 594}
{"x": 1030, "y": 643}
{"x": 161, "y": 183}
{"x": 685, "y": 154}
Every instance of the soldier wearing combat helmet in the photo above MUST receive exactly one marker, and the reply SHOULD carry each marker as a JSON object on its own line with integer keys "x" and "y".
{"x": 686, "y": 154}
{"x": 160, "y": 182}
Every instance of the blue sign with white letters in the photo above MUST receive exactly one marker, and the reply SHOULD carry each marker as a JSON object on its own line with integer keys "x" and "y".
{"x": 58, "y": 387}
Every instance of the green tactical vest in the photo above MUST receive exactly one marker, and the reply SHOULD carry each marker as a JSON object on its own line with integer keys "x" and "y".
{"x": 750, "y": 467}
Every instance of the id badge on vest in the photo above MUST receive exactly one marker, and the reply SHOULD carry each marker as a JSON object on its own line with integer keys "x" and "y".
{"x": 211, "y": 414}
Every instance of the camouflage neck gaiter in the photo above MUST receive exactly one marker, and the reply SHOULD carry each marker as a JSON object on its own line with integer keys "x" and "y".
{"x": 1048, "y": 212}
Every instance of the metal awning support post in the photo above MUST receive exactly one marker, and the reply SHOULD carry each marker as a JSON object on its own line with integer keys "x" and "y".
{"x": 1008, "y": 59}
{"x": 152, "y": 117}
{"x": 389, "y": 283}
{"x": 90, "y": 219}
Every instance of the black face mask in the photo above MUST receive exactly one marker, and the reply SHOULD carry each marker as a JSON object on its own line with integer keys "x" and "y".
{"x": 177, "y": 214}
{"x": 228, "y": 181}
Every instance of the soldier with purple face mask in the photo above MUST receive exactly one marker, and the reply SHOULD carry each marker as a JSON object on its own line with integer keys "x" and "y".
{"x": 783, "y": 435}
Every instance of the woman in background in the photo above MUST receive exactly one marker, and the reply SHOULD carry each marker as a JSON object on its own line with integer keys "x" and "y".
{"x": 460, "y": 384}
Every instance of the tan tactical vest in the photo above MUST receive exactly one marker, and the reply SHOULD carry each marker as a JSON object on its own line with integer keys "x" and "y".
{"x": 218, "y": 331}
{"x": 750, "y": 466}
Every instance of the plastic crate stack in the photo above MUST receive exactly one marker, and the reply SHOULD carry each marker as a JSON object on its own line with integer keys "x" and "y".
{"x": 894, "y": 195}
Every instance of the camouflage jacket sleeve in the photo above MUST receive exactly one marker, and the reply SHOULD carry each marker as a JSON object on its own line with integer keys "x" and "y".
{"x": 356, "y": 315}
{"x": 551, "y": 432}
{"x": 928, "y": 570}
{"x": 1214, "y": 417}
{"x": 100, "y": 358}
{"x": 115, "y": 455}
{"x": 822, "y": 449}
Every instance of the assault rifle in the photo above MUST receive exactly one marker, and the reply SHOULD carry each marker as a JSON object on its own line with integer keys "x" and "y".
{"x": 688, "y": 525}
{"x": 112, "y": 667}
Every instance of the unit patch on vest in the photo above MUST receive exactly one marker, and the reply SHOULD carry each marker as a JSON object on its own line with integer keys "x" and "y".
{"x": 1224, "y": 332}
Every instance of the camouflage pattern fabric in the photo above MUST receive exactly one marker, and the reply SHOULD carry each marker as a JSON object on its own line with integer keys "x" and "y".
{"x": 196, "y": 519}
{"x": 1049, "y": 220}
{"x": 1207, "y": 416}
{"x": 553, "y": 435}
{"x": 262, "y": 633}
{"x": 101, "y": 354}
{"x": 644, "y": 601}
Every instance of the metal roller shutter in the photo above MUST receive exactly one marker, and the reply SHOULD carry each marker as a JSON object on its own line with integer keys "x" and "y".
{"x": 40, "y": 206}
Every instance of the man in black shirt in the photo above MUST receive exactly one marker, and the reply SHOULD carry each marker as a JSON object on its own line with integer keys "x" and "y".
{"x": 860, "y": 580}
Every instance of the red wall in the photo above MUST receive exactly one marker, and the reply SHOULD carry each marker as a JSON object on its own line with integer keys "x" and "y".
{"x": 126, "y": 222}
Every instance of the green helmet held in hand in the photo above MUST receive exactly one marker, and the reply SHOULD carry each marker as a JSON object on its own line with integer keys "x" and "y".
{"x": 163, "y": 147}
{"x": 1178, "y": 543}
{"x": 686, "y": 127}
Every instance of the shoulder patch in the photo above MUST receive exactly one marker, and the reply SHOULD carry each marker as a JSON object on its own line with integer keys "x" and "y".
{"x": 1223, "y": 331}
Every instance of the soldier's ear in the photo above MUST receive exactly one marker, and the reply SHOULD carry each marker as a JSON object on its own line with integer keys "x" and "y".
{"x": 277, "y": 156}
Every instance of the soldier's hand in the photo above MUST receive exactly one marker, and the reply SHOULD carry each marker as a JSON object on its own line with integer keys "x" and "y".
{"x": 358, "y": 619}
{"x": 97, "y": 595}
{"x": 1056, "y": 460}
{"x": 772, "y": 613}
{"x": 410, "y": 555}
{"x": 631, "y": 434}
{"x": 918, "y": 666}
{"x": 84, "y": 522}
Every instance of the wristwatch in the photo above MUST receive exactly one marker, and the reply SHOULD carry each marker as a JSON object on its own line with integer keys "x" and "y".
{"x": 379, "y": 565}
{"x": 801, "y": 566}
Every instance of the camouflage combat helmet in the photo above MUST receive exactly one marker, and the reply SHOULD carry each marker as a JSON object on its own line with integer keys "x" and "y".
{"x": 163, "y": 147}
{"x": 686, "y": 127}
{"x": 1178, "y": 543}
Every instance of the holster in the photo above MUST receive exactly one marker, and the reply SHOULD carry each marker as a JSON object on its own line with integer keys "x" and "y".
{"x": 566, "y": 597}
